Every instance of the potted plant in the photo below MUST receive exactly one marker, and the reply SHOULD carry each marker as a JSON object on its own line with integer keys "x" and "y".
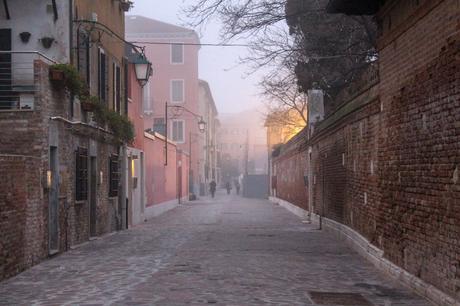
{"x": 47, "y": 41}
{"x": 121, "y": 126}
{"x": 89, "y": 103}
{"x": 25, "y": 36}
{"x": 67, "y": 76}
{"x": 126, "y": 5}
{"x": 56, "y": 75}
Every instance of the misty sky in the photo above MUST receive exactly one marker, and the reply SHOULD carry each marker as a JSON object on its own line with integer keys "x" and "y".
{"x": 233, "y": 90}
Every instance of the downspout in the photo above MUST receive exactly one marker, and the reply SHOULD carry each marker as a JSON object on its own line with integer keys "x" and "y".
{"x": 7, "y": 11}
{"x": 55, "y": 11}
{"x": 70, "y": 55}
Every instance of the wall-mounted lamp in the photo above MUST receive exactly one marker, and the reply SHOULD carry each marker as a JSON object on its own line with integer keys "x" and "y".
{"x": 49, "y": 179}
{"x": 202, "y": 125}
{"x": 143, "y": 69}
{"x": 101, "y": 177}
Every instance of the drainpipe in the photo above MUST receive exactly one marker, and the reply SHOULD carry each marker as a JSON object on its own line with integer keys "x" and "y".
{"x": 122, "y": 196}
{"x": 70, "y": 48}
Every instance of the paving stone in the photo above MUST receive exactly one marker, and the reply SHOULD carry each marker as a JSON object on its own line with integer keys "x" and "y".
{"x": 226, "y": 251}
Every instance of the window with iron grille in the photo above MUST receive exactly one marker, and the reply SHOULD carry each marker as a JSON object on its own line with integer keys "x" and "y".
{"x": 114, "y": 176}
{"x": 81, "y": 175}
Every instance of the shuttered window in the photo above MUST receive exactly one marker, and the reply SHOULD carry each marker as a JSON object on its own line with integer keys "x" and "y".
{"x": 177, "y": 91}
{"x": 177, "y": 54}
{"x": 102, "y": 75}
{"x": 116, "y": 87}
{"x": 178, "y": 131}
{"x": 83, "y": 55}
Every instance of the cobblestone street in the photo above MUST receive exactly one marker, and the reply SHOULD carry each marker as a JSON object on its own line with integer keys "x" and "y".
{"x": 230, "y": 251}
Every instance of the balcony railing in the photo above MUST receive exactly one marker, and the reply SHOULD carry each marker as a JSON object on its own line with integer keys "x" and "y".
{"x": 18, "y": 79}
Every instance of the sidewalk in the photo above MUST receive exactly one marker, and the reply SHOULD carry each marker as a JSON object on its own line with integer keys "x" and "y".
{"x": 226, "y": 251}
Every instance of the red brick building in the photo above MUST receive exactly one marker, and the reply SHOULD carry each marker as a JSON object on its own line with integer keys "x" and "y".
{"x": 383, "y": 168}
{"x": 61, "y": 170}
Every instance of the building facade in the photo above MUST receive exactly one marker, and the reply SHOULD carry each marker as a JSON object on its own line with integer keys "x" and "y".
{"x": 173, "y": 52}
{"x": 243, "y": 144}
{"x": 62, "y": 168}
{"x": 209, "y": 168}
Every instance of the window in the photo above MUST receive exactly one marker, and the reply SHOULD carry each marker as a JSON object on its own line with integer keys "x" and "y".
{"x": 159, "y": 126}
{"x": 177, "y": 54}
{"x": 178, "y": 131}
{"x": 114, "y": 176}
{"x": 177, "y": 91}
{"x": 102, "y": 75}
{"x": 81, "y": 175}
{"x": 83, "y": 55}
{"x": 116, "y": 87}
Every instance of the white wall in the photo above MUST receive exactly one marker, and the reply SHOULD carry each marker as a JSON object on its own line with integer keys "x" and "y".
{"x": 36, "y": 17}
{"x": 137, "y": 201}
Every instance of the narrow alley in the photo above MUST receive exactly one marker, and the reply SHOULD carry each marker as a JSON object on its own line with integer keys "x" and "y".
{"x": 227, "y": 251}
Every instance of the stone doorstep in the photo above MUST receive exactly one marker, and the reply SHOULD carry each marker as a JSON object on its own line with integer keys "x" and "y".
{"x": 375, "y": 256}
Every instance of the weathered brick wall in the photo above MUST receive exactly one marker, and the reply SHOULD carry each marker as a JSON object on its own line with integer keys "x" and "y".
{"x": 24, "y": 159}
{"x": 387, "y": 163}
{"x": 419, "y": 152}
{"x": 290, "y": 171}
{"x": 22, "y": 226}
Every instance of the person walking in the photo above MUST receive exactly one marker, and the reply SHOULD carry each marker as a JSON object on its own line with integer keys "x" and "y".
{"x": 237, "y": 186}
{"x": 212, "y": 188}
{"x": 228, "y": 187}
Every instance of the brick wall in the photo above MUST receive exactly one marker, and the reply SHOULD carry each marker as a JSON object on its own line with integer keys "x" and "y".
{"x": 22, "y": 240}
{"x": 290, "y": 185}
{"x": 24, "y": 161}
{"x": 419, "y": 145}
{"x": 387, "y": 162}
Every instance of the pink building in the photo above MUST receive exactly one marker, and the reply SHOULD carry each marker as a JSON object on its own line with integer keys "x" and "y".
{"x": 152, "y": 187}
{"x": 173, "y": 52}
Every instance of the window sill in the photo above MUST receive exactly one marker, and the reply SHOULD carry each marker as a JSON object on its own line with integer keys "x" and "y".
{"x": 81, "y": 202}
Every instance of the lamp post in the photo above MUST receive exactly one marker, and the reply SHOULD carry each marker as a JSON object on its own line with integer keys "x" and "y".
{"x": 201, "y": 124}
{"x": 201, "y": 128}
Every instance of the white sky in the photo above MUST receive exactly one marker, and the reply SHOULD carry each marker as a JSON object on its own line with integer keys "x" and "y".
{"x": 232, "y": 89}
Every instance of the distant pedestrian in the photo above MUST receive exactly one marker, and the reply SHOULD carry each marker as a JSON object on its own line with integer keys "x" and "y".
{"x": 212, "y": 188}
{"x": 237, "y": 186}
{"x": 228, "y": 186}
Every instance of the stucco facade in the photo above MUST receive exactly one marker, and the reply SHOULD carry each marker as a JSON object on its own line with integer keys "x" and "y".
{"x": 166, "y": 71}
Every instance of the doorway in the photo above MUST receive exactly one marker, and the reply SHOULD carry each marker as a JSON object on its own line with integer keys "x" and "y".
{"x": 93, "y": 197}
{"x": 53, "y": 226}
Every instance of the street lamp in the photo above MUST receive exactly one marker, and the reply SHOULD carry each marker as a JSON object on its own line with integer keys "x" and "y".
{"x": 202, "y": 125}
{"x": 143, "y": 69}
